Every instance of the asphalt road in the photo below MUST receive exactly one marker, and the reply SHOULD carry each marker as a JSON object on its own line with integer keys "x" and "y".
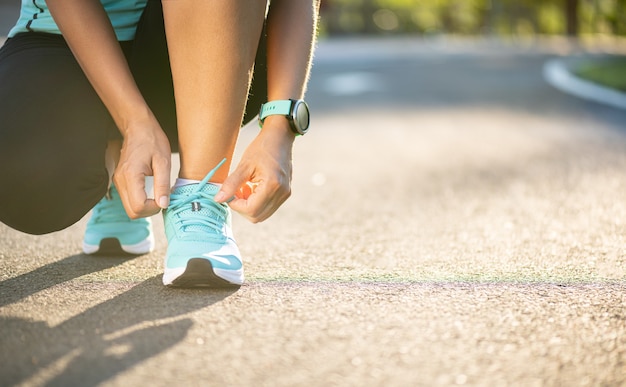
{"x": 9, "y": 12}
{"x": 454, "y": 221}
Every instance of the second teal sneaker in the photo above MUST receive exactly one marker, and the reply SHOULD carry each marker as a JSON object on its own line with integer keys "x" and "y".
{"x": 111, "y": 231}
{"x": 201, "y": 248}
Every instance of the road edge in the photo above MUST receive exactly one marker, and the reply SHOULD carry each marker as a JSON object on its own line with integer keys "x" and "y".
{"x": 558, "y": 73}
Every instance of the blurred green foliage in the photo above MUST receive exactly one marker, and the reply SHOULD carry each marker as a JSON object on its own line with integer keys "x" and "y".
{"x": 474, "y": 17}
{"x": 609, "y": 73}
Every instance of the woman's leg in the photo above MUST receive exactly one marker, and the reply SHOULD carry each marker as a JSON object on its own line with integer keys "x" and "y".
{"x": 212, "y": 47}
{"x": 112, "y": 157}
{"x": 53, "y": 136}
{"x": 149, "y": 63}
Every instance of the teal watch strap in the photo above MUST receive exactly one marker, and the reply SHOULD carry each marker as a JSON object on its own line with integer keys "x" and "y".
{"x": 280, "y": 107}
{"x": 296, "y": 111}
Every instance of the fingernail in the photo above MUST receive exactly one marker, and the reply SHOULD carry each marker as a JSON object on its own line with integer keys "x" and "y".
{"x": 220, "y": 196}
{"x": 164, "y": 201}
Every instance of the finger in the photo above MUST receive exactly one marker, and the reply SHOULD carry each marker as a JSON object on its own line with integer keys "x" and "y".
{"x": 278, "y": 197}
{"x": 245, "y": 191}
{"x": 250, "y": 199}
{"x": 232, "y": 184}
{"x": 260, "y": 205}
{"x": 269, "y": 208}
{"x": 138, "y": 205}
{"x": 244, "y": 208}
{"x": 161, "y": 172}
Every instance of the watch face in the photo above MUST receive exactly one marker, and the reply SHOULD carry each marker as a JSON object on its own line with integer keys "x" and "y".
{"x": 301, "y": 116}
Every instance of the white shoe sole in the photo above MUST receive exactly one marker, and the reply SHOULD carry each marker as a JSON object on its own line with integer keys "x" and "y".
{"x": 144, "y": 247}
{"x": 200, "y": 273}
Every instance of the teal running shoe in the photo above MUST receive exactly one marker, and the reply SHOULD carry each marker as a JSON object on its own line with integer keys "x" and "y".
{"x": 201, "y": 248}
{"x": 110, "y": 231}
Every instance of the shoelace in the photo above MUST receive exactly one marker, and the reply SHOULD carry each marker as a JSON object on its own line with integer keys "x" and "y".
{"x": 202, "y": 215}
{"x": 110, "y": 209}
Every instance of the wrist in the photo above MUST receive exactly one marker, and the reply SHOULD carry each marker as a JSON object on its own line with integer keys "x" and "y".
{"x": 278, "y": 125}
{"x": 137, "y": 118}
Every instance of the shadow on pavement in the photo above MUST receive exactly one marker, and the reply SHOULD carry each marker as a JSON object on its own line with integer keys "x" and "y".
{"x": 100, "y": 342}
{"x": 20, "y": 287}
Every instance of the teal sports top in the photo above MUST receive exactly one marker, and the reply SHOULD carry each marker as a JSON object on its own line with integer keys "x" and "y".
{"x": 124, "y": 16}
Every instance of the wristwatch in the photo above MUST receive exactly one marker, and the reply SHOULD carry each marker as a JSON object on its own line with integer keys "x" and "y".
{"x": 296, "y": 111}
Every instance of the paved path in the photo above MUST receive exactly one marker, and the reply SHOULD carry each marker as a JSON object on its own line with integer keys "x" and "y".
{"x": 455, "y": 220}
{"x": 9, "y": 12}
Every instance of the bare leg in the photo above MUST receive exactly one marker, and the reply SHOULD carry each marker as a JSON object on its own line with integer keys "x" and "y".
{"x": 212, "y": 46}
{"x": 112, "y": 157}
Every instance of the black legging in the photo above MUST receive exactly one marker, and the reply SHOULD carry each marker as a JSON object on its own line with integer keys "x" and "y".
{"x": 54, "y": 128}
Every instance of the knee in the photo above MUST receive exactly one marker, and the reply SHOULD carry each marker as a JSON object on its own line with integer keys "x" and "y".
{"x": 48, "y": 195}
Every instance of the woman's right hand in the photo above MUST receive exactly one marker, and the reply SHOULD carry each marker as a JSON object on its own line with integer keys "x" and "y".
{"x": 145, "y": 152}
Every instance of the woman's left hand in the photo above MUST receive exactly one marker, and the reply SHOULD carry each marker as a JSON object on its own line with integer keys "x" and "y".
{"x": 262, "y": 180}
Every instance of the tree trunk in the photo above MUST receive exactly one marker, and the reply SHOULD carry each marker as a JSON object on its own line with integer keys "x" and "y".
{"x": 571, "y": 17}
